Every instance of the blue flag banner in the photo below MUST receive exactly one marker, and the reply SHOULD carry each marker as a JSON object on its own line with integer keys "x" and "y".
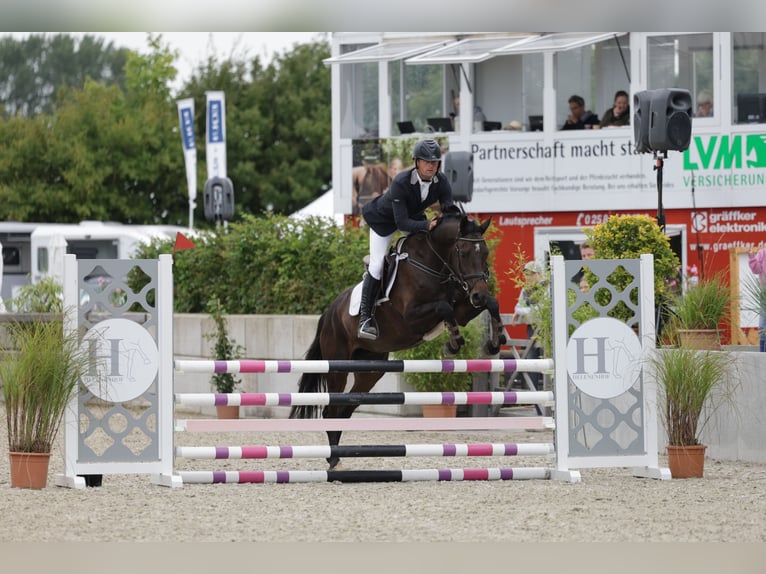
{"x": 215, "y": 146}
{"x": 186, "y": 118}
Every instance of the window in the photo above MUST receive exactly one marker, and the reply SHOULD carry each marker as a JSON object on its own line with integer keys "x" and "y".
{"x": 686, "y": 62}
{"x": 595, "y": 72}
{"x": 510, "y": 88}
{"x": 748, "y": 77}
{"x": 42, "y": 259}
{"x": 359, "y": 97}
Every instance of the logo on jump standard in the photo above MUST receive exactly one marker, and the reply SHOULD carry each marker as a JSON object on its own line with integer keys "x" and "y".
{"x": 123, "y": 360}
{"x": 603, "y": 358}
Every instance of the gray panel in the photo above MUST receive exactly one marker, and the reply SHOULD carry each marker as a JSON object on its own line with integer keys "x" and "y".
{"x": 129, "y": 428}
{"x": 615, "y": 426}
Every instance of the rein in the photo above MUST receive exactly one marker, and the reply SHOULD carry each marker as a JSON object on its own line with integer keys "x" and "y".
{"x": 451, "y": 276}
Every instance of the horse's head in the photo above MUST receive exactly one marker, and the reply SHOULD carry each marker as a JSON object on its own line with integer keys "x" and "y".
{"x": 460, "y": 241}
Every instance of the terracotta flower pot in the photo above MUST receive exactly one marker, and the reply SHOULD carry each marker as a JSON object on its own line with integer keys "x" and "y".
{"x": 29, "y": 469}
{"x": 227, "y": 411}
{"x": 439, "y": 411}
{"x": 686, "y": 461}
{"x": 704, "y": 339}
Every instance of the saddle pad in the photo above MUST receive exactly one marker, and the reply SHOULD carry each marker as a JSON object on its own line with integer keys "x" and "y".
{"x": 355, "y": 301}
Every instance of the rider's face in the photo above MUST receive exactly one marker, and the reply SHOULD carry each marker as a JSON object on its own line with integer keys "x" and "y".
{"x": 427, "y": 169}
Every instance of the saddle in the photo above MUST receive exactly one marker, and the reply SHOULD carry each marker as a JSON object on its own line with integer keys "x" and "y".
{"x": 388, "y": 278}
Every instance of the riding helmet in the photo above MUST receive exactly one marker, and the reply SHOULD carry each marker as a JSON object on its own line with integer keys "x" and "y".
{"x": 428, "y": 150}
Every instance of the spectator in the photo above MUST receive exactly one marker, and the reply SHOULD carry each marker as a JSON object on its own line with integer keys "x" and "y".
{"x": 586, "y": 252}
{"x": 579, "y": 118}
{"x": 619, "y": 114}
{"x": 704, "y": 104}
{"x": 757, "y": 262}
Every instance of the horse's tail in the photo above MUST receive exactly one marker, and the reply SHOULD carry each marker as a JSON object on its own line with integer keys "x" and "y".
{"x": 311, "y": 382}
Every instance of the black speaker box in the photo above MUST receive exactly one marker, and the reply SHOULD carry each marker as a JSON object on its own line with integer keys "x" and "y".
{"x": 219, "y": 199}
{"x": 671, "y": 125}
{"x": 458, "y": 167}
{"x": 641, "y": 120}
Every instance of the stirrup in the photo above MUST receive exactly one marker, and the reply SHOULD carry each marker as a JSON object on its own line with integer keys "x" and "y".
{"x": 368, "y": 329}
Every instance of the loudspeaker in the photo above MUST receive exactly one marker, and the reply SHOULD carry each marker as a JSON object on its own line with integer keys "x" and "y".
{"x": 641, "y": 119}
{"x": 671, "y": 125}
{"x": 458, "y": 167}
{"x": 219, "y": 199}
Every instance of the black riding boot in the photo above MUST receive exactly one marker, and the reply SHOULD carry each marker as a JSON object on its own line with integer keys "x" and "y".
{"x": 368, "y": 326}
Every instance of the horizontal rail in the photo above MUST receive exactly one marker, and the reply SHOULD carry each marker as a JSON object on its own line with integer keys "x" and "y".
{"x": 356, "y": 451}
{"x": 352, "y": 366}
{"x": 287, "y": 476}
{"x": 364, "y": 424}
{"x": 303, "y": 399}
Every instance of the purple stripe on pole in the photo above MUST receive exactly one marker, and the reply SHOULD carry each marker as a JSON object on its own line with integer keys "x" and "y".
{"x": 448, "y": 366}
{"x": 448, "y": 398}
{"x": 285, "y": 399}
{"x": 449, "y": 450}
{"x": 219, "y": 477}
{"x": 509, "y": 365}
{"x": 222, "y": 452}
{"x": 445, "y": 474}
{"x": 506, "y": 474}
{"x": 510, "y": 397}
{"x": 221, "y": 400}
{"x": 511, "y": 450}
{"x": 285, "y": 452}
{"x": 284, "y": 366}
{"x": 283, "y": 476}
{"x": 220, "y": 366}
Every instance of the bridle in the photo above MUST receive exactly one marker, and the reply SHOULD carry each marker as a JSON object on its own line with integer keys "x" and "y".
{"x": 465, "y": 282}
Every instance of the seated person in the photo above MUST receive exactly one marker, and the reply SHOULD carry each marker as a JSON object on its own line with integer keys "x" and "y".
{"x": 527, "y": 310}
{"x": 579, "y": 118}
{"x": 704, "y": 104}
{"x": 619, "y": 113}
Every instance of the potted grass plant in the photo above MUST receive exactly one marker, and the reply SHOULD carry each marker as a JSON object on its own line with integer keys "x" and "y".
{"x": 692, "y": 385}
{"x": 224, "y": 349}
{"x": 443, "y": 382}
{"x": 697, "y": 313}
{"x": 40, "y": 370}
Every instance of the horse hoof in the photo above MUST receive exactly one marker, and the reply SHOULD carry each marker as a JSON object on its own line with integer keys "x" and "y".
{"x": 490, "y": 349}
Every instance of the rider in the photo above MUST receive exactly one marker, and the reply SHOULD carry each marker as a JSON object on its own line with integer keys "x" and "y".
{"x": 401, "y": 208}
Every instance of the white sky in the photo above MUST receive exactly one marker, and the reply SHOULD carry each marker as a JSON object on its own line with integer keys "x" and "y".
{"x": 194, "y": 47}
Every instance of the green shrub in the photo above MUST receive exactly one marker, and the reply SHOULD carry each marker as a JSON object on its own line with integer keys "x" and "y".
{"x": 267, "y": 265}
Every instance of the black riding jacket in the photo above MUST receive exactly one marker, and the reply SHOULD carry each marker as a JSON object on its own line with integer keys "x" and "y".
{"x": 401, "y": 207}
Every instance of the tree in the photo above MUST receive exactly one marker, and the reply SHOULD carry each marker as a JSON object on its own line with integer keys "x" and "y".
{"x": 33, "y": 69}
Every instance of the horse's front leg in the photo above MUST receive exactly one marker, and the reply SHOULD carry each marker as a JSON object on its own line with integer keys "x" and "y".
{"x": 445, "y": 312}
{"x": 496, "y": 330}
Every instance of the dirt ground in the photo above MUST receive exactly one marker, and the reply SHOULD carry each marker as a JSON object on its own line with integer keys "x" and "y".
{"x": 609, "y": 505}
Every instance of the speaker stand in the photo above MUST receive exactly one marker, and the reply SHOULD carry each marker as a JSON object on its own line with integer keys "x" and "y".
{"x": 659, "y": 162}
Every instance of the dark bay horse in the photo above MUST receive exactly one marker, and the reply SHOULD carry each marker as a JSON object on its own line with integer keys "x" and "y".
{"x": 442, "y": 279}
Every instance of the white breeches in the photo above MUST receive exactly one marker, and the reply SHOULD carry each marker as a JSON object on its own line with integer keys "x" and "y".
{"x": 378, "y": 250}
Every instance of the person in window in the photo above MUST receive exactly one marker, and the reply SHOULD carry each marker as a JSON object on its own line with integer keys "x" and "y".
{"x": 704, "y": 104}
{"x": 579, "y": 118}
{"x": 619, "y": 114}
{"x": 401, "y": 207}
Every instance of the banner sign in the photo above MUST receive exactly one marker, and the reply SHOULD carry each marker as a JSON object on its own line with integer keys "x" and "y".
{"x": 186, "y": 118}
{"x": 216, "y": 135}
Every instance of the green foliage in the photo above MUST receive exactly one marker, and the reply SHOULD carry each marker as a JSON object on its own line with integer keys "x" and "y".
{"x": 224, "y": 348}
{"x": 109, "y": 149}
{"x": 754, "y": 295}
{"x": 434, "y": 349}
{"x": 629, "y": 237}
{"x": 43, "y": 297}
{"x": 32, "y": 69}
{"x": 692, "y": 385}
{"x": 267, "y": 265}
{"x": 702, "y": 306}
{"x": 38, "y": 380}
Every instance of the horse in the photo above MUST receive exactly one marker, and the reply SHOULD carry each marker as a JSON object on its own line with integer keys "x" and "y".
{"x": 441, "y": 280}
